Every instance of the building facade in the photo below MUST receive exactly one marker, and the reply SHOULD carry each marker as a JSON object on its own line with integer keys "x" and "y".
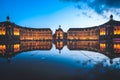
{"x": 59, "y": 34}
{"x": 35, "y": 34}
{"x": 12, "y": 32}
{"x": 83, "y": 33}
{"x": 109, "y": 31}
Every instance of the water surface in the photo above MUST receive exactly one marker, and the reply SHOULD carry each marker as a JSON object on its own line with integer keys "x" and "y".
{"x": 71, "y": 60}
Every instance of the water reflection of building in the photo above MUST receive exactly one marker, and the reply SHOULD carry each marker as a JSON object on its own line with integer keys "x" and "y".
{"x": 8, "y": 50}
{"x": 59, "y": 45}
{"x": 112, "y": 50}
{"x": 35, "y": 45}
{"x": 83, "y": 45}
{"x": 10, "y": 31}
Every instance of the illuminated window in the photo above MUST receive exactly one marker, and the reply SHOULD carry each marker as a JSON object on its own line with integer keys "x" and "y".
{"x": 102, "y": 31}
{"x": 117, "y": 30}
{"x": 16, "y": 32}
{"x": 2, "y": 31}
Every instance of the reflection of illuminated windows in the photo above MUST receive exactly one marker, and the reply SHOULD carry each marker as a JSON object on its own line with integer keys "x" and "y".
{"x": 2, "y": 31}
{"x": 117, "y": 30}
{"x": 16, "y": 47}
{"x": 16, "y": 32}
{"x": 86, "y": 45}
{"x": 31, "y": 45}
{"x": 117, "y": 48}
{"x": 102, "y": 31}
{"x": 2, "y": 49}
{"x": 60, "y": 44}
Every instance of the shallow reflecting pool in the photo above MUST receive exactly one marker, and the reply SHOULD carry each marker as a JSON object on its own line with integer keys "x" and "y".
{"x": 71, "y": 60}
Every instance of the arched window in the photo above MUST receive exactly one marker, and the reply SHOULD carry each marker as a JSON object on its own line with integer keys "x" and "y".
{"x": 102, "y": 31}
{"x": 2, "y": 31}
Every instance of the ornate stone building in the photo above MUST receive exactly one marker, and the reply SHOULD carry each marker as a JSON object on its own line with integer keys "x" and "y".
{"x": 59, "y": 34}
{"x": 109, "y": 31}
{"x": 83, "y": 33}
{"x": 12, "y": 32}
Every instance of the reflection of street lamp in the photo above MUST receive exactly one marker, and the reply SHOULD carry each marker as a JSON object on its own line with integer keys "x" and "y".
{"x": 111, "y": 61}
{"x": 59, "y": 51}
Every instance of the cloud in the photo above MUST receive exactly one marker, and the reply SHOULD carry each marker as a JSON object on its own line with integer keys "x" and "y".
{"x": 86, "y": 14}
{"x": 99, "y": 6}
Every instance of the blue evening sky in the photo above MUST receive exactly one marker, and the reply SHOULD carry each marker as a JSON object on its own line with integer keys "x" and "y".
{"x": 52, "y": 13}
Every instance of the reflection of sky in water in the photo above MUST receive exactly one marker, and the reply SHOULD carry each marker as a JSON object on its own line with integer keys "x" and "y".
{"x": 78, "y": 64}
